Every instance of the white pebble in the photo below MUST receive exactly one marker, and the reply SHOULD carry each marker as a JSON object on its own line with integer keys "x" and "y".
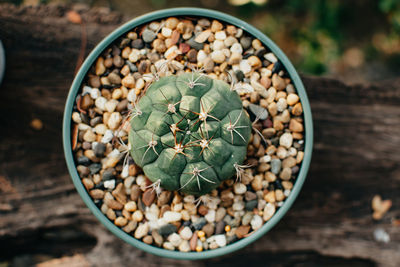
{"x": 166, "y": 32}
{"x": 108, "y": 135}
{"x": 131, "y": 95}
{"x": 111, "y": 105}
{"x": 237, "y": 48}
{"x": 125, "y": 171}
{"x": 168, "y": 245}
{"x": 172, "y": 216}
{"x": 381, "y": 235}
{"x": 186, "y": 233}
{"x": 269, "y": 211}
{"x": 210, "y": 216}
{"x": 220, "y": 35}
{"x": 184, "y": 246}
{"x": 256, "y": 222}
{"x": 243, "y": 88}
{"x": 134, "y": 55}
{"x": 281, "y": 104}
{"x": 201, "y": 56}
{"x": 245, "y": 66}
{"x": 141, "y": 231}
{"x": 86, "y": 90}
{"x": 239, "y": 188}
{"x": 170, "y": 50}
{"x": 286, "y": 192}
{"x": 114, "y": 120}
{"x": 218, "y": 45}
{"x": 265, "y": 159}
{"x": 220, "y": 240}
{"x": 101, "y": 103}
{"x": 76, "y": 117}
{"x": 95, "y": 93}
{"x": 218, "y": 56}
{"x": 286, "y": 140}
{"x": 229, "y": 41}
{"x": 238, "y": 206}
{"x": 139, "y": 83}
{"x": 175, "y": 239}
{"x": 109, "y": 184}
{"x": 270, "y": 57}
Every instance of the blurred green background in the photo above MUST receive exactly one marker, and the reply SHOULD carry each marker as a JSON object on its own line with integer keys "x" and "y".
{"x": 355, "y": 41}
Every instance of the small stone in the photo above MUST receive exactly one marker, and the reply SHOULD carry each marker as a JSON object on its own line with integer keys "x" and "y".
{"x": 208, "y": 64}
{"x": 114, "y": 120}
{"x": 276, "y": 166}
{"x": 235, "y": 59}
{"x": 245, "y": 66}
{"x": 193, "y": 241}
{"x": 220, "y": 228}
{"x": 171, "y": 22}
{"x": 286, "y": 174}
{"x": 269, "y": 211}
{"x": 148, "y": 197}
{"x": 281, "y": 105}
{"x": 202, "y": 210}
{"x": 239, "y": 188}
{"x": 220, "y": 240}
{"x": 137, "y": 216}
{"x": 86, "y": 102}
{"x": 89, "y": 136}
{"x": 241, "y": 231}
{"x": 216, "y": 26}
{"x": 192, "y": 55}
{"x": 256, "y": 222}
{"x": 199, "y": 223}
{"x": 148, "y": 239}
{"x": 96, "y": 194}
{"x": 94, "y": 168}
{"x": 184, "y": 246}
{"x": 286, "y": 140}
{"x": 186, "y": 233}
{"x": 208, "y": 229}
{"x": 196, "y": 45}
{"x": 245, "y": 42}
{"x": 175, "y": 239}
{"x": 259, "y": 111}
{"x": 239, "y": 75}
{"x": 142, "y": 230}
{"x": 278, "y": 82}
{"x": 172, "y": 216}
{"x": 295, "y": 126}
{"x": 168, "y": 245}
{"x": 82, "y": 160}
{"x": 111, "y": 105}
{"x": 270, "y": 57}
{"x": 158, "y": 239}
{"x": 109, "y": 184}
{"x": 166, "y": 32}
{"x": 167, "y": 229}
{"x": 164, "y": 198}
{"x": 292, "y": 99}
{"x": 114, "y": 78}
{"x": 238, "y": 206}
{"x": 210, "y": 216}
{"x": 297, "y": 109}
{"x": 148, "y": 35}
{"x": 100, "y": 68}
{"x": 248, "y": 196}
{"x": 203, "y": 36}
{"x": 220, "y": 35}
{"x": 218, "y": 56}
{"x": 254, "y": 61}
{"x": 381, "y": 235}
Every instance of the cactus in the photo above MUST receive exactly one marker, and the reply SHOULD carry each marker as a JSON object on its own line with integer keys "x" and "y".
{"x": 189, "y": 132}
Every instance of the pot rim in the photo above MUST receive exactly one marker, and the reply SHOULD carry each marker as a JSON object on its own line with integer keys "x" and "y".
{"x": 195, "y": 12}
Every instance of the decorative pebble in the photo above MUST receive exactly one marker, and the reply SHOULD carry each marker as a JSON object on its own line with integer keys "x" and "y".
{"x": 171, "y": 216}
{"x": 286, "y": 140}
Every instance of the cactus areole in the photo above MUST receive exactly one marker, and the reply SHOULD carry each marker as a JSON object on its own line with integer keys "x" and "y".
{"x": 189, "y": 133}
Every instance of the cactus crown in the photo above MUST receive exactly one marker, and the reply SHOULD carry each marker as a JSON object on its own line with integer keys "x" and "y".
{"x": 189, "y": 132}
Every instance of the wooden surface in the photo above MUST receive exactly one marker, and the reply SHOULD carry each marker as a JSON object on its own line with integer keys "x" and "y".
{"x": 42, "y": 218}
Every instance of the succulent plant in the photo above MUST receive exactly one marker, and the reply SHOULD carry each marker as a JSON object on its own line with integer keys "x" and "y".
{"x": 189, "y": 132}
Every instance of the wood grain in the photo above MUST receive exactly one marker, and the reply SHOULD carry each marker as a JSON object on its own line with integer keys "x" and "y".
{"x": 356, "y": 156}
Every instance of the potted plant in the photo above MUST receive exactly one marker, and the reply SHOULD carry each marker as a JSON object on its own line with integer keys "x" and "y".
{"x": 188, "y": 133}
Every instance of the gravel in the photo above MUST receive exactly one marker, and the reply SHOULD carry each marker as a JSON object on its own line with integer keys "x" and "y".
{"x": 171, "y": 220}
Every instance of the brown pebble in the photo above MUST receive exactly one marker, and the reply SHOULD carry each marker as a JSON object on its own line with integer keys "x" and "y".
{"x": 87, "y": 183}
{"x": 278, "y": 82}
{"x": 113, "y": 204}
{"x": 96, "y": 193}
{"x": 241, "y": 231}
{"x": 108, "y": 62}
{"x": 193, "y": 241}
{"x": 208, "y": 229}
{"x": 36, "y": 124}
{"x": 297, "y": 109}
{"x": 164, "y": 198}
{"x": 184, "y": 47}
{"x": 158, "y": 239}
{"x": 119, "y": 193}
{"x": 202, "y": 210}
{"x": 295, "y": 126}
{"x": 94, "y": 81}
{"x": 148, "y": 196}
{"x": 216, "y": 26}
{"x": 266, "y": 82}
{"x": 163, "y": 209}
{"x": 135, "y": 192}
{"x": 192, "y": 55}
{"x": 86, "y": 102}
{"x": 148, "y": 239}
{"x": 120, "y": 221}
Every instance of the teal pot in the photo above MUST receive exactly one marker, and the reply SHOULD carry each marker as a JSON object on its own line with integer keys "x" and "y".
{"x": 198, "y": 13}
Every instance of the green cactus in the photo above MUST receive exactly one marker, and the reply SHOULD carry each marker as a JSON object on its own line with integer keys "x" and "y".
{"x": 189, "y": 133}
